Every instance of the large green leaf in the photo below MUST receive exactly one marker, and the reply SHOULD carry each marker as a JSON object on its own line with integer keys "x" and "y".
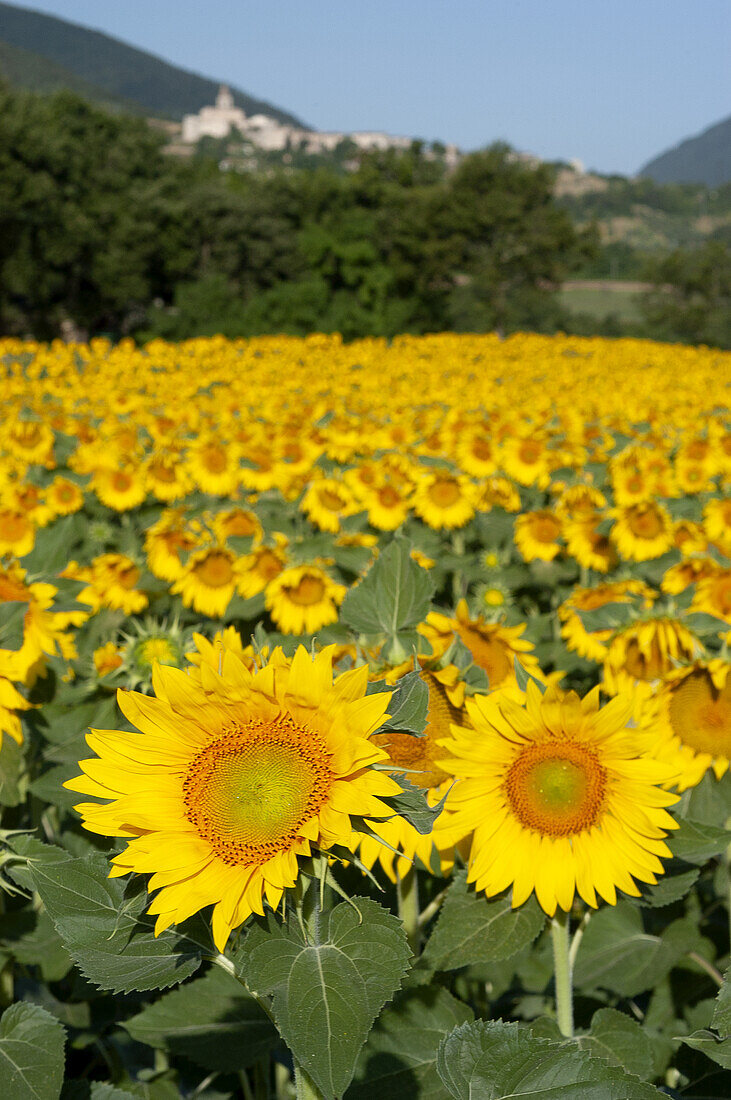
{"x": 31, "y": 1054}
{"x": 408, "y": 704}
{"x": 393, "y": 596}
{"x": 399, "y": 1058}
{"x": 327, "y": 987}
{"x": 211, "y": 1020}
{"x": 620, "y": 1041}
{"x": 696, "y": 842}
{"x": 710, "y": 802}
{"x": 616, "y": 952}
{"x": 474, "y": 929}
{"x": 495, "y": 1061}
{"x": 101, "y": 922}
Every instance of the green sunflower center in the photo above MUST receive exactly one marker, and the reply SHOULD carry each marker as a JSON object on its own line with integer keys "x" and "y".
{"x": 249, "y": 792}
{"x": 557, "y": 789}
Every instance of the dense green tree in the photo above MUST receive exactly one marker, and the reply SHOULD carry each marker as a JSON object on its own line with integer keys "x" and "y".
{"x": 691, "y": 298}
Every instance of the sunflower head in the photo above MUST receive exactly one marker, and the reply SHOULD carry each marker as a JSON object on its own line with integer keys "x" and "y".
{"x": 688, "y": 721}
{"x": 555, "y": 796}
{"x": 233, "y": 776}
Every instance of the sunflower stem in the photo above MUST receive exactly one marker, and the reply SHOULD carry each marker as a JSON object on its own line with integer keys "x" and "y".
{"x": 407, "y": 892}
{"x": 562, "y": 973}
{"x": 305, "y": 1086}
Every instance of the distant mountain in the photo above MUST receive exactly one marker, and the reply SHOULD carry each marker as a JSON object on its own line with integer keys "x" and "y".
{"x": 705, "y": 158}
{"x": 43, "y": 53}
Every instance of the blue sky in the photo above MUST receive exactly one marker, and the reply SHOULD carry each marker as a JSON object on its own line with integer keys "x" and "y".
{"x": 612, "y": 82}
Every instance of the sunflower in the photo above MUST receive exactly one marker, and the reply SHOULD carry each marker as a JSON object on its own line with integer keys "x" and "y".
{"x": 233, "y": 778}
{"x": 642, "y": 531}
{"x": 444, "y": 500}
{"x": 165, "y": 542}
{"x": 214, "y": 466}
{"x": 537, "y": 535}
{"x": 17, "y": 533}
{"x": 689, "y": 721}
{"x": 581, "y": 501}
{"x": 237, "y": 523}
{"x": 526, "y": 460}
{"x": 588, "y": 546}
{"x": 11, "y": 701}
{"x": 494, "y": 647}
{"x": 44, "y": 630}
{"x": 713, "y": 595}
{"x": 559, "y": 799}
{"x": 717, "y": 520}
{"x": 593, "y": 644}
{"x": 689, "y": 537}
{"x": 327, "y": 502}
{"x": 64, "y": 496}
{"x": 476, "y": 453}
{"x": 119, "y": 489}
{"x": 645, "y": 651}
{"x": 261, "y": 566}
{"x": 498, "y": 492}
{"x": 112, "y": 582}
{"x": 303, "y": 599}
{"x": 679, "y": 577}
{"x": 209, "y": 580}
{"x": 388, "y": 504}
{"x": 166, "y": 477}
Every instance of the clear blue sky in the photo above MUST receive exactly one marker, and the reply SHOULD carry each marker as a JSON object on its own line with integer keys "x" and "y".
{"x": 612, "y": 82}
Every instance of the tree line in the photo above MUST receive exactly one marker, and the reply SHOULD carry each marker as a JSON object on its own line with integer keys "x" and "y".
{"x": 102, "y": 231}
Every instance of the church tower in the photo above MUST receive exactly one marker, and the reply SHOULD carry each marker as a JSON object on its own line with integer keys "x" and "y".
{"x": 224, "y": 99}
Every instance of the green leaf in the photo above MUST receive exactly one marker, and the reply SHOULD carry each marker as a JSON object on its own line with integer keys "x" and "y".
{"x": 394, "y": 595}
{"x": 495, "y": 1061}
{"x": 710, "y": 801}
{"x": 617, "y": 954}
{"x": 408, "y": 705}
{"x": 101, "y": 1090}
{"x": 719, "y": 1050}
{"x": 101, "y": 922}
{"x": 722, "y": 1012}
{"x": 678, "y": 880}
{"x": 211, "y": 1020}
{"x": 412, "y": 805}
{"x": 474, "y": 929}
{"x": 399, "y": 1058}
{"x": 54, "y": 545}
{"x": 31, "y": 1053}
{"x": 12, "y": 764}
{"x": 701, "y": 623}
{"x": 327, "y": 989}
{"x": 609, "y": 617}
{"x": 524, "y": 677}
{"x": 620, "y": 1041}
{"x": 696, "y": 843}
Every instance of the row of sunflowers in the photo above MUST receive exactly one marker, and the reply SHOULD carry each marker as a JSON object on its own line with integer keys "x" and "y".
{"x": 447, "y": 618}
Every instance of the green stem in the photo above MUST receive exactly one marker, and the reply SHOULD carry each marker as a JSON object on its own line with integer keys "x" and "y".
{"x": 407, "y": 892}
{"x": 305, "y": 1086}
{"x": 562, "y": 973}
{"x": 728, "y": 882}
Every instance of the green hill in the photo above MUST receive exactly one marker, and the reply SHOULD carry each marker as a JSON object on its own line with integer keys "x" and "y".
{"x": 705, "y": 158}
{"x": 43, "y": 53}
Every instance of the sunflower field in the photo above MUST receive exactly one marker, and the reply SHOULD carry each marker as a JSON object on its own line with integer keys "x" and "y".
{"x": 366, "y": 719}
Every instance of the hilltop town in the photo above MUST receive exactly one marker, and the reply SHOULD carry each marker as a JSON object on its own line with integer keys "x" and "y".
{"x": 268, "y": 134}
